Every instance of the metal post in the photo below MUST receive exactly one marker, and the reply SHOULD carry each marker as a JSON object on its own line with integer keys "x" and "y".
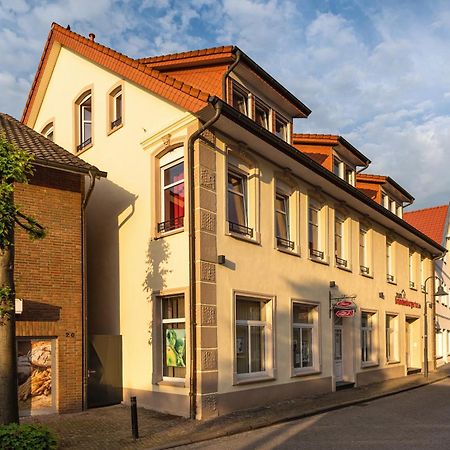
{"x": 425, "y": 335}
{"x": 134, "y": 418}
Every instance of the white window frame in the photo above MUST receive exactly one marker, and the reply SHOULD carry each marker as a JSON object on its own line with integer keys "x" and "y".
{"x": 279, "y": 118}
{"x": 342, "y": 252}
{"x": 370, "y": 357}
{"x": 392, "y": 354}
{"x": 244, "y": 195}
{"x": 115, "y": 98}
{"x": 262, "y": 106}
{"x": 266, "y": 302}
{"x": 390, "y": 263}
{"x": 313, "y": 205}
{"x": 82, "y": 120}
{"x": 364, "y": 262}
{"x": 412, "y": 270}
{"x": 236, "y": 87}
{"x": 315, "y": 367}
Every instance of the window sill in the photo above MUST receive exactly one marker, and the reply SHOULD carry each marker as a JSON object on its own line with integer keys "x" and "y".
{"x": 304, "y": 373}
{"x": 389, "y": 363}
{"x": 295, "y": 252}
{"x": 345, "y": 269}
{"x": 413, "y": 288}
{"x": 369, "y": 364}
{"x": 242, "y": 237}
{"x": 79, "y": 152}
{"x": 180, "y": 384}
{"x": 257, "y": 379}
{"x": 366, "y": 275}
{"x": 392, "y": 282}
{"x": 112, "y": 130}
{"x": 168, "y": 233}
{"x": 323, "y": 261}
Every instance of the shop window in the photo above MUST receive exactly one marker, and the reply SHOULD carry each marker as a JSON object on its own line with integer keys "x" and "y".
{"x": 367, "y": 338}
{"x": 304, "y": 337}
{"x": 84, "y": 113}
{"x": 48, "y": 131}
{"x": 391, "y": 338}
{"x": 36, "y": 375}
{"x": 115, "y": 108}
{"x": 172, "y": 190}
{"x": 173, "y": 338}
{"x": 253, "y": 346}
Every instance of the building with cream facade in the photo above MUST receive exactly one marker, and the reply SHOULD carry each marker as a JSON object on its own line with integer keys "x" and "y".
{"x": 234, "y": 262}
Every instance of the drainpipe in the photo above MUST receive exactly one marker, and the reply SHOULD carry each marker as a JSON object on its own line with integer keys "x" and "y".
{"x": 192, "y": 287}
{"x": 225, "y": 75}
{"x": 92, "y": 178}
{"x": 363, "y": 168}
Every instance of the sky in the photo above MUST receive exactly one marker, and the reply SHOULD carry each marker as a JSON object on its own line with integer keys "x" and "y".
{"x": 376, "y": 72}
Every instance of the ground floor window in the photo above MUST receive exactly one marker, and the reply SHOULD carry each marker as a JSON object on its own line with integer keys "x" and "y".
{"x": 173, "y": 337}
{"x": 391, "y": 338}
{"x": 253, "y": 339}
{"x": 439, "y": 344}
{"x": 304, "y": 336}
{"x": 367, "y": 337}
{"x": 36, "y": 375}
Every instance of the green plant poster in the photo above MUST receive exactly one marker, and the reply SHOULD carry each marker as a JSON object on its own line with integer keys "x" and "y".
{"x": 175, "y": 347}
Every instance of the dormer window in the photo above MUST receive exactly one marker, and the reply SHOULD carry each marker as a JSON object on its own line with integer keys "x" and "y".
{"x": 240, "y": 100}
{"x": 48, "y": 131}
{"x": 349, "y": 175}
{"x": 281, "y": 127}
{"x": 262, "y": 115}
{"x": 343, "y": 170}
{"x": 337, "y": 166}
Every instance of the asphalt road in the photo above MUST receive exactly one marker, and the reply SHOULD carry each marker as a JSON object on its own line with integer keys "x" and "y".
{"x": 417, "y": 419}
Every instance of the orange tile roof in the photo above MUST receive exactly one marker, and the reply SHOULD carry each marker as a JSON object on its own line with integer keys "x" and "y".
{"x": 430, "y": 221}
{"x": 177, "y": 91}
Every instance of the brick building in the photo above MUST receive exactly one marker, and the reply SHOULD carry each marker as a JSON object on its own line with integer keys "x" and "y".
{"x": 49, "y": 275}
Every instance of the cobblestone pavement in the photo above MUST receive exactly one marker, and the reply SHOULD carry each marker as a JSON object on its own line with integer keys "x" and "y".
{"x": 109, "y": 427}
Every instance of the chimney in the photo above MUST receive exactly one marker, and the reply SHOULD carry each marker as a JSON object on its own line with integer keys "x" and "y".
{"x": 92, "y": 36}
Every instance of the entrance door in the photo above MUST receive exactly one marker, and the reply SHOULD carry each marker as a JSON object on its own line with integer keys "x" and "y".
{"x": 338, "y": 350}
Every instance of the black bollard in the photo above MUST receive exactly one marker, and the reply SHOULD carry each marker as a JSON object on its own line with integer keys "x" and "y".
{"x": 134, "y": 419}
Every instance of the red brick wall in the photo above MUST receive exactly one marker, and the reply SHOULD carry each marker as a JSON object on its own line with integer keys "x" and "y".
{"x": 48, "y": 275}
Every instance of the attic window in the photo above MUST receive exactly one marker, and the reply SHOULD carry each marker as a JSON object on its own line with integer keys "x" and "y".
{"x": 116, "y": 107}
{"x": 281, "y": 127}
{"x": 240, "y": 99}
{"x": 48, "y": 131}
{"x": 262, "y": 115}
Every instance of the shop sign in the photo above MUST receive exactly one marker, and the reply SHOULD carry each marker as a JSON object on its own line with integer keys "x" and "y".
{"x": 345, "y": 313}
{"x": 344, "y": 304}
{"x": 405, "y": 302}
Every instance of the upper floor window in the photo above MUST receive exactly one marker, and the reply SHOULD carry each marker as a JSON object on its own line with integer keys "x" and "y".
{"x": 84, "y": 121}
{"x": 237, "y": 203}
{"x": 389, "y": 262}
{"x": 116, "y": 107}
{"x": 314, "y": 231}
{"x": 240, "y": 99}
{"x": 339, "y": 242}
{"x": 422, "y": 273}
{"x": 172, "y": 190}
{"x": 412, "y": 271}
{"x": 281, "y": 127}
{"x": 262, "y": 114}
{"x": 364, "y": 262}
{"x": 48, "y": 131}
{"x": 282, "y": 220}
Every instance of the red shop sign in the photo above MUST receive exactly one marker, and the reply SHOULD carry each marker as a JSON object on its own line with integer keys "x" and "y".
{"x": 345, "y": 313}
{"x": 343, "y": 304}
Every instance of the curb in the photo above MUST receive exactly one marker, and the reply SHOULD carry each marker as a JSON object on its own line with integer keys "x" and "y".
{"x": 298, "y": 416}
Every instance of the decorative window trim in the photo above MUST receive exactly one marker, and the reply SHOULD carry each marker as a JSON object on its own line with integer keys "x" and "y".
{"x": 117, "y": 89}
{"x": 238, "y": 161}
{"x": 269, "y": 358}
{"x": 48, "y": 128}
{"x": 316, "y": 335}
{"x": 81, "y": 147}
{"x": 158, "y": 164}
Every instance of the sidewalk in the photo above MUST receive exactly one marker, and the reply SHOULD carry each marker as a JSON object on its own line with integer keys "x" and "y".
{"x": 110, "y": 427}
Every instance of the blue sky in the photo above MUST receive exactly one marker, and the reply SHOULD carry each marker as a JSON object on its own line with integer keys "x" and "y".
{"x": 376, "y": 72}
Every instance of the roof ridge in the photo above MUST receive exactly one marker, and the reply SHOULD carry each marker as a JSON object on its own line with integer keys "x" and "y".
{"x": 187, "y": 54}
{"x": 184, "y": 87}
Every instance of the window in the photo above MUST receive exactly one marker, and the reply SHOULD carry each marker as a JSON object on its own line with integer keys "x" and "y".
{"x": 48, "y": 131}
{"x": 253, "y": 341}
{"x": 389, "y": 263}
{"x": 240, "y": 99}
{"x": 367, "y": 338}
{"x": 116, "y": 108}
{"x": 391, "y": 338}
{"x": 237, "y": 203}
{"x": 314, "y": 231}
{"x": 304, "y": 337}
{"x": 363, "y": 252}
{"x": 281, "y": 127}
{"x": 337, "y": 166}
{"x": 282, "y": 221}
{"x": 399, "y": 210}
{"x": 85, "y": 121}
{"x": 339, "y": 242}
{"x": 172, "y": 190}
{"x": 349, "y": 175}
{"x": 422, "y": 273}
{"x": 385, "y": 200}
{"x": 412, "y": 271}
{"x": 439, "y": 344}
{"x": 173, "y": 337}
{"x": 262, "y": 115}
{"x": 448, "y": 342}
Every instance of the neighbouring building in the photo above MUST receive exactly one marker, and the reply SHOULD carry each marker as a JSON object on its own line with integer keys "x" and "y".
{"x": 435, "y": 223}
{"x": 235, "y": 262}
{"x": 49, "y": 275}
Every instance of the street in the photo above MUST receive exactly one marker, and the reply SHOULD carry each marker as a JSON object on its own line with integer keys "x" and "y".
{"x": 417, "y": 419}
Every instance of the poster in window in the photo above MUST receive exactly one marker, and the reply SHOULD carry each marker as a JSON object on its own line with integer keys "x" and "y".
{"x": 34, "y": 371}
{"x": 175, "y": 347}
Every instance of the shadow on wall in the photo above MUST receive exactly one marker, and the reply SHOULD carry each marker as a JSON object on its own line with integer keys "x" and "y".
{"x": 158, "y": 254}
{"x": 103, "y": 220}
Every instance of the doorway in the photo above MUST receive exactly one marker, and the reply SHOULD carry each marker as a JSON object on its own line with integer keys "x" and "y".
{"x": 338, "y": 350}
{"x": 412, "y": 347}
